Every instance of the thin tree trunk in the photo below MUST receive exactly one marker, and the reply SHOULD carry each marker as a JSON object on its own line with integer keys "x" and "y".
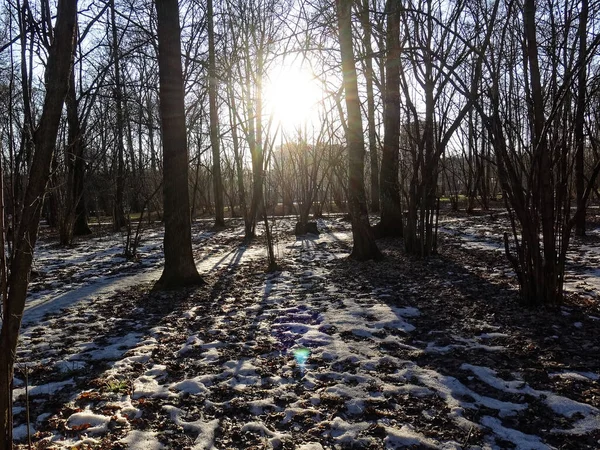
{"x": 239, "y": 165}
{"x": 57, "y": 76}
{"x": 364, "y": 246}
{"x": 580, "y": 121}
{"x": 546, "y": 276}
{"x": 373, "y": 157}
{"x": 23, "y": 156}
{"x": 118, "y": 214}
{"x": 214, "y": 120}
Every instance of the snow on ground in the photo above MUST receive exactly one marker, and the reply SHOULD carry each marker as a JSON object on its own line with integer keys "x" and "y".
{"x": 97, "y": 267}
{"x": 306, "y": 357}
{"x": 582, "y": 273}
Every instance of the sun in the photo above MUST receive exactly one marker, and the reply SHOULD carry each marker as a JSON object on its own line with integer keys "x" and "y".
{"x": 292, "y": 96}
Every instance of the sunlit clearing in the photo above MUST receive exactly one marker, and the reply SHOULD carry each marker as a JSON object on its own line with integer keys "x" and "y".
{"x": 292, "y": 96}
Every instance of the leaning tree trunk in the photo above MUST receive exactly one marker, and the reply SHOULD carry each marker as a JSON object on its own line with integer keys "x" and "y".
{"x": 57, "y": 76}
{"x": 391, "y": 210}
{"x": 364, "y": 246}
{"x": 180, "y": 268}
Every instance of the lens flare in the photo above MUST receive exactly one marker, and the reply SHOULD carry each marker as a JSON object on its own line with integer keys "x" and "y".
{"x": 301, "y": 355}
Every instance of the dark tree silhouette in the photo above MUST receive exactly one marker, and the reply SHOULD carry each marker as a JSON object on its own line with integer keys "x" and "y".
{"x": 391, "y": 211}
{"x": 214, "y": 119}
{"x": 44, "y": 140}
{"x": 180, "y": 268}
{"x": 364, "y": 246}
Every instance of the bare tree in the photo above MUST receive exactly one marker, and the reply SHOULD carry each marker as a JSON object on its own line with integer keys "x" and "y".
{"x": 533, "y": 150}
{"x": 580, "y": 120}
{"x": 391, "y": 209}
{"x": 180, "y": 268}
{"x": 365, "y": 18}
{"x": 364, "y": 246}
{"x": 118, "y": 214}
{"x": 57, "y": 77}
{"x": 214, "y": 119}
{"x": 439, "y": 36}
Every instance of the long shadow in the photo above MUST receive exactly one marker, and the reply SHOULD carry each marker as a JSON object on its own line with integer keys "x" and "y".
{"x": 124, "y": 322}
{"x": 112, "y": 326}
{"x": 461, "y": 309}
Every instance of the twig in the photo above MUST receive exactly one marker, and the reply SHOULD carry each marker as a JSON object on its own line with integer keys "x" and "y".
{"x": 468, "y": 436}
{"x": 25, "y": 371}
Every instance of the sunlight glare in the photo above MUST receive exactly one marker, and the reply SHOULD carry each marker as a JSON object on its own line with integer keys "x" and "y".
{"x": 292, "y": 96}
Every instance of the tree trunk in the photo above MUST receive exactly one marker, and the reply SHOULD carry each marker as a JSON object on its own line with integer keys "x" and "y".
{"x": 580, "y": 121}
{"x": 57, "y": 76}
{"x": 23, "y": 156}
{"x": 180, "y": 268}
{"x": 256, "y": 150}
{"x": 391, "y": 212}
{"x": 364, "y": 246}
{"x": 546, "y": 270}
{"x": 74, "y": 217}
{"x": 239, "y": 165}
{"x": 214, "y": 119}
{"x": 373, "y": 157}
{"x": 118, "y": 214}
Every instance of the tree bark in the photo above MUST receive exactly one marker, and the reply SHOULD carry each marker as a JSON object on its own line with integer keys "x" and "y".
{"x": 74, "y": 215}
{"x": 373, "y": 157}
{"x": 214, "y": 120}
{"x": 364, "y": 246}
{"x": 580, "y": 121}
{"x": 180, "y": 268}
{"x": 239, "y": 166}
{"x": 118, "y": 214}
{"x": 391, "y": 210}
{"x": 543, "y": 190}
{"x": 57, "y": 76}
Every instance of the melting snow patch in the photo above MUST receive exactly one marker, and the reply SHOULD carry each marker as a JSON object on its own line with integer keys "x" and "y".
{"x": 275, "y": 439}
{"x": 347, "y": 433}
{"x": 148, "y": 386}
{"x": 452, "y": 390}
{"x": 142, "y": 440}
{"x": 192, "y": 343}
{"x": 580, "y": 376}
{"x": 190, "y": 386}
{"x": 407, "y": 437}
{"x": 560, "y": 405}
{"x": 93, "y": 423}
{"x": 310, "y": 446}
{"x": 117, "y": 347}
{"x": 522, "y": 441}
{"x": 48, "y": 389}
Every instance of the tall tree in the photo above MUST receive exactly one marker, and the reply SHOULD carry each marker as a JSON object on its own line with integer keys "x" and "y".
{"x": 391, "y": 211}
{"x": 180, "y": 268}
{"x": 365, "y": 18}
{"x": 214, "y": 119}
{"x": 580, "y": 121}
{"x": 118, "y": 214}
{"x": 364, "y": 246}
{"x": 44, "y": 140}
{"x": 530, "y": 122}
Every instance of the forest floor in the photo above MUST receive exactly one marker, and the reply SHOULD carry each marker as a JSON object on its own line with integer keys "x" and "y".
{"x": 324, "y": 353}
